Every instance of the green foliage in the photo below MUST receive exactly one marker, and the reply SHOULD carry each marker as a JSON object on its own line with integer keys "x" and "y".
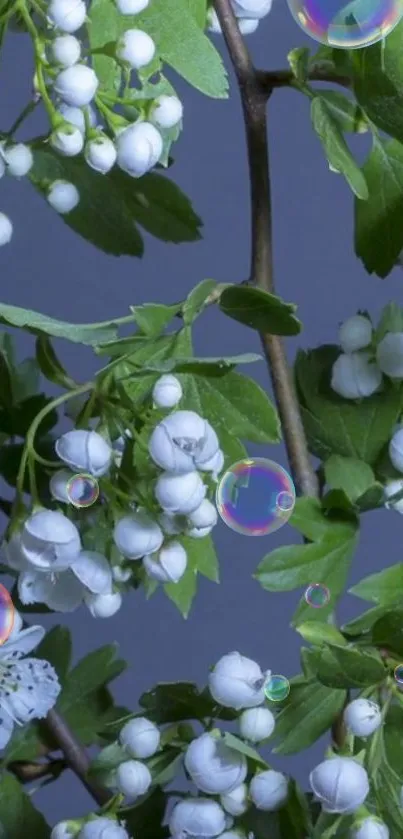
{"x": 335, "y": 147}
{"x": 18, "y": 816}
{"x": 260, "y": 310}
{"x": 307, "y": 713}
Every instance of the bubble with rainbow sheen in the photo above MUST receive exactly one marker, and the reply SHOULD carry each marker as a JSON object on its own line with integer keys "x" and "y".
{"x": 82, "y": 490}
{"x": 317, "y": 595}
{"x": 6, "y": 614}
{"x": 277, "y": 688}
{"x": 255, "y": 496}
{"x": 348, "y": 25}
{"x": 398, "y": 674}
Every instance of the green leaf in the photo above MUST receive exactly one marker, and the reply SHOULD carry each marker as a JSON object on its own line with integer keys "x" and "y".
{"x": 56, "y": 648}
{"x": 198, "y": 9}
{"x": 348, "y": 115}
{"x": 49, "y": 363}
{"x": 152, "y": 318}
{"x": 209, "y": 367}
{"x": 111, "y": 205}
{"x": 378, "y": 82}
{"x": 177, "y": 701}
{"x": 347, "y": 667}
{"x": 202, "y": 556}
{"x": 391, "y": 320}
{"x": 18, "y": 816}
{"x": 101, "y": 25}
{"x": 196, "y": 300}
{"x": 294, "y": 816}
{"x": 335, "y": 147}
{"x": 380, "y": 218}
{"x": 364, "y": 623}
{"x": 388, "y": 631}
{"x": 259, "y": 310}
{"x": 183, "y": 593}
{"x": 387, "y": 786}
{"x": 384, "y": 587}
{"x": 353, "y": 476}
{"x": 309, "y": 711}
{"x": 335, "y": 425}
{"x": 298, "y": 60}
{"x": 145, "y": 819}
{"x": 320, "y": 633}
{"x": 87, "y": 333}
{"x": 239, "y": 746}
{"x": 108, "y": 759}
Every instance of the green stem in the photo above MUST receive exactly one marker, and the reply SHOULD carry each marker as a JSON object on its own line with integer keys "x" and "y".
{"x": 38, "y": 57}
{"x": 22, "y": 117}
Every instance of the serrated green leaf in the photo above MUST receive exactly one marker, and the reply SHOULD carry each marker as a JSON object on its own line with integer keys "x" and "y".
{"x": 335, "y": 147}
{"x": 49, "y": 363}
{"x": 364, "y": 623}
{"x": 348, "y": 115}
{"x": 56, "y": 648}
{"x": 383, "y": 588}
{"x": 350, "y": 474}
{"x": 175, "y": 702}
{"x": 393, "y": 739}
{"x": 183, "y": 593}
{"x": 196, "y": 300}
{"x": 164, "y": 765}
{"x": 145, "y": 818}
{"x": 378, "y": 82}
{"x": 202, "y": 556}
{"x": 320, "y": 633}
{"x": 18, "y": 816}
{"x": 294, "y": 816}
{"x": 95, "y": 670}
{"x": 380, "y": 218}
{"x": 259, "y": 310}
{"x": 111, "y": 205}
{"x": 152, "y": 318}
{"x": 101, "y": 25}
{"x": 347, "y": 667}
{"x": 388, "y": 631}
{"x": 86, "y": 333}
{"x": 209, "y": 367}
{"x": 335, "y": 425}
{"x": 309, "y": 711}
{"x": 239, "y": 746}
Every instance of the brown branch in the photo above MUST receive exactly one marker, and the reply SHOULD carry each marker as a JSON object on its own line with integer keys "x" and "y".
{"x": 75, "y": 755}
{"x": 27, "y": 772}
{"x": 254, "y": 97}
{"x": 271, "y": 79}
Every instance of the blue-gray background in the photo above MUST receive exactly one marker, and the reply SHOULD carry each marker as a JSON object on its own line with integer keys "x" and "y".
{"x": 48, "y": 268}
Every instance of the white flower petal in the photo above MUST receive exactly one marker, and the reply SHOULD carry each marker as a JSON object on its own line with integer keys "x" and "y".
{"x": 22, "y": 643}
{"x": 93, "y": 571}
{"x": 60, "y": 592}
{"x": 6, "y": 729}
{"x": 28, "y": 689}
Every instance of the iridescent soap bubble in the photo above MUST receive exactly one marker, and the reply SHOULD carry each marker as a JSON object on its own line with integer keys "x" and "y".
{"x": 317, "y": 595}
{"x": 6, "y": 614}
{"x": 82, "y": 490}
{"x": 277, "y": 688}
{"x": 398, "y": 673}
{"x": 255, "y": 496}
{"x": 349, "y": 25}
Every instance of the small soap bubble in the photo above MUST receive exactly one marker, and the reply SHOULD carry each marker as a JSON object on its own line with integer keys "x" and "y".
{"x": 82, "y": 490}
{"x": 255, "y": 496}
{"x": 398, "y": 673}
{"x": 348, "y": 25}
{"x": 277, "y": 688}
{"x": 6, "y": 615}
{"x": 317, "y": 595}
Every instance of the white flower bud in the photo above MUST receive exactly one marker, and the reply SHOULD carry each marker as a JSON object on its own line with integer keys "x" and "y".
{"x": 355, "y": 334}
{"x": 63, "y": 197}
{"x": 75, "y": 116}
{"x": 137, "y": 535}
{"x": 58, "y": 485}
{"x": 167, "y": 392}
{"x": 68, "y": 141}
{"x": 389, "y": 355}
{"x": 139, "y": 148}
{"x": 340, "y": 784}
{"x": 237, "y": 682}
{"x": 167, "y": 112}
{"x": 67, "y": 15}
{"x": 256, "y": 724}
{"x": 171, "y": 524}
{"x": 77, "y": 85}
{"x": 269, "y": 790}
{"x": 167, "y": 565}
{"x": 66, "y": 50}
{"x": 396, "y": 450}
{"x": 84, "y": 451}
{"x": 213, "y": 766}
{"x": 236, "y": 801}
{"x": 49, "y": 540}
{"x": 362, "y": 717}
{"x": 94, "y": 572}
{"x": 100, "y": 154}
{"x": 247, "y": 26}
{"x": 6, "y": 229}
{"x": 371, "y": 828}
{"x": 121, "y": 575}
{"x": 392, "y": 488}
{"x": 63, "y": 830}
{"x": 135, "y": 47}
{"x": 104, "y": 605}
{"x": 354, "y": 375}
{"x": 196, "y": 818}
{"x": 103, "y": 828}
{"x": 19, "y": 159}
{"x": 131, "y": 7}
{"x": 140, "y": 737}
{"x": 214, "y": 465}
{"x": 133, "y": 779}
{"x": 180, "y": 493}
{"x": 182, "y": 441}
{"x": 203, "y": 519}
{"x": 251, "y": 8}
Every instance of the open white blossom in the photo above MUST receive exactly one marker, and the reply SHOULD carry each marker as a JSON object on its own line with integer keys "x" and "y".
{"x": 362, "y": 717}
{"x": 29, "y": 687}
{"x": 197, "y": 817}
{"x": 89, "y": 573}
{"x": 137, "y": 535}
{"x": 237, "y": 682}
{"x": 213, "y": 766}
{"x": 85, "y": 451}
{"x": 182, "y": 441}
{"x": 340, "y": 784}
{"x": 49, "y": 541}
{"x": 140, "y": 737}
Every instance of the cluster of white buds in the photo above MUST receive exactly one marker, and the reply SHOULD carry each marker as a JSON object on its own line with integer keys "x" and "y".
{"x": 394, "y": 488}
{"x": 16, "y": 159}
{"x": 247, "y": 12}
{"x": 358, "y": 372}
{"x": 97, "y": 827}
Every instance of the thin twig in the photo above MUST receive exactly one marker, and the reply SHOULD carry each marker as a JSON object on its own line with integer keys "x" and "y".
{"x": 26, "y": 771}
{"x": 75, "y": 755}
{"x": 269, "y": 80}
{"x": 254, "y": 100}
